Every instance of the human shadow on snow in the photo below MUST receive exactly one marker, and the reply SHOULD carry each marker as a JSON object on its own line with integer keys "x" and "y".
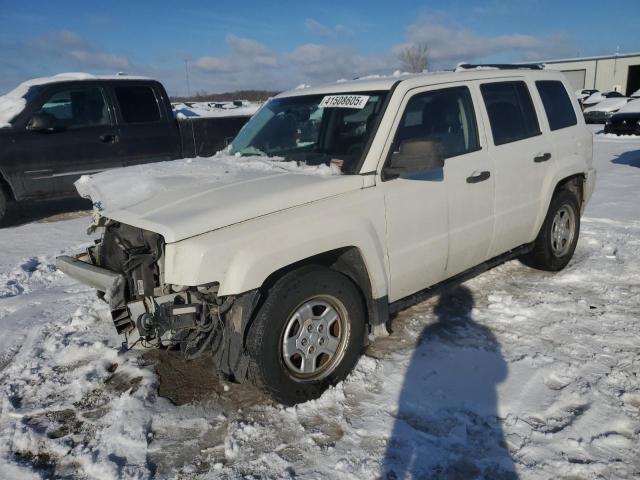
{"x": 447, "y": 424}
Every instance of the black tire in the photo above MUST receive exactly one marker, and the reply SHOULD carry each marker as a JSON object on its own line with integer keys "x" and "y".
{"x": 547, "y": 253}
{"x": 4, "y": 204}
{"x": 267, "y": 368}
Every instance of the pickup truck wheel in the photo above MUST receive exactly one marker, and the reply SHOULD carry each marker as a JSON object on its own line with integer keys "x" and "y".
{"x": 307, "y": 336}
{"x": 558, "y": 236}
{"x": 4, "y": 202}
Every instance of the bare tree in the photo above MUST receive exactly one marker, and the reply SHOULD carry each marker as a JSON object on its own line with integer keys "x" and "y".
{"x": 414, "y": 57}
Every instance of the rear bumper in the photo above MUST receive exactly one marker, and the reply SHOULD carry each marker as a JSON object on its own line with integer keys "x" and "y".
{"x": 111, "y": 283}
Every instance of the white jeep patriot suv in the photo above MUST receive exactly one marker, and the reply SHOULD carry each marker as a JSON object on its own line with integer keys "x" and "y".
{"x": 283, "y": 277}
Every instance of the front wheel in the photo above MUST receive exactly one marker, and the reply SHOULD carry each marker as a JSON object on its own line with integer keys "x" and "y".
{"x": 307, "y": 336}
{"x": 558, "y": 237}
{"x": 4, "y": 203}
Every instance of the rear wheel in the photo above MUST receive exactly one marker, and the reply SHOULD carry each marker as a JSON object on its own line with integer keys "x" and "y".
{"x": 558, "y": 237}
{"x": 307, "y": 335}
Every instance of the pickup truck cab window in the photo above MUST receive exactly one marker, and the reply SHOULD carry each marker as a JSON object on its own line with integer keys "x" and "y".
{"x": 138, "y": 104}
{"x": 444, "y": 118}
{"x": 77, "y": 108}
{"x": 511, "y": 112}
{"x": 557, "y": 104}
{"x": 300, "y": 129}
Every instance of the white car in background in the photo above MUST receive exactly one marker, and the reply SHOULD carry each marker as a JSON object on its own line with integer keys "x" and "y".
{"x": 583, "y": 94}
{"x": 602, "y": 110}
{"x": 598, "y": 97}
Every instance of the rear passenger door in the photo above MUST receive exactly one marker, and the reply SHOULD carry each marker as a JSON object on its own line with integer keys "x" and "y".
{"x": 522, "y": 155}
{"x": 147, "y": 134}
{"x": 568, "y": 142}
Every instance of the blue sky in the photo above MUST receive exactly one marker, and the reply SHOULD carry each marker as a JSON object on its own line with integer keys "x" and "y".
{"x": 278, "y": 45}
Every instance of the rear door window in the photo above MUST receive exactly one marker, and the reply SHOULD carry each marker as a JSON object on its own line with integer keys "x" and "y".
{"x": 557, "y": 104}
{"x": 445, "y": 117}
{"x": 511, "y": 111}
{"x": 77, "y": 108}
{"x": 137, "y": 104}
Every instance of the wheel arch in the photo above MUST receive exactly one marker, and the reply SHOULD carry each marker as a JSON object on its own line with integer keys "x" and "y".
{"x": 5, "y": 186}
{"x": 350, "y": 262}
{"x": 572, "y": 180}
{"x": 575, "y": 184}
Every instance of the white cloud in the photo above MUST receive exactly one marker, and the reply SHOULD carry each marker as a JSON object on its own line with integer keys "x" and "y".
{"x": 251, "y": 64}
{"x": 247, "y": 47}
{"x": 100, "y": 60}
{"x": 331, "y": 32}
{"x": 320, "y": 63}
{"x": 212, "y": 64}
{"x": 449, "y": 44}
{"x": 248, "y": 63}
{"x": 54, "y": 52}
{"x": 245, "y": 55}
{"x": 73, "y": 49}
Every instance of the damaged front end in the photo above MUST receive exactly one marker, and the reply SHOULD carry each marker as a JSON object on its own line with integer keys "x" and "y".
{"x": 126, "y": 266}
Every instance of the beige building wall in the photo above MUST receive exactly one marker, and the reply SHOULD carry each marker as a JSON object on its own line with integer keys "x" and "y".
{"x": 603, "y": 74}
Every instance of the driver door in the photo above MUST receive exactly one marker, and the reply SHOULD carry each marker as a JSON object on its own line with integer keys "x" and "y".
{"x": 83, "y": 141}
{"x": 439, "y": 222}
{"x": 416, "y": 212}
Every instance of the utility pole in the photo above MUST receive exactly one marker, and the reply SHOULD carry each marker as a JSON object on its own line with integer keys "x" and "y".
{"x": 186, "y": 69}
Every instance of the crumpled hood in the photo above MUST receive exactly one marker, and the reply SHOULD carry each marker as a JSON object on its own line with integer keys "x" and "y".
{"x": 184, "y": 198}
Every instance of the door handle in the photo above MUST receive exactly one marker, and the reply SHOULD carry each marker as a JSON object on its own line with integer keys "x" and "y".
{"x": 109, "y": 138}
{"x": 542, "y": 158}
{"x": 478, "y": 176}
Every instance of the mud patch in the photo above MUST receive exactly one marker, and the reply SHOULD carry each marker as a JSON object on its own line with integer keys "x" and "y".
{"x": 183, "y": 382}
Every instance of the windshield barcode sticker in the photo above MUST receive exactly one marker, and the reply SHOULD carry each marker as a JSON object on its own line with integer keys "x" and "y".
{"x": 344, "y": 101}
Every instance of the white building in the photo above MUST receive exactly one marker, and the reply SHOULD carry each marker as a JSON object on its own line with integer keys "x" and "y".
{"x": 619, "y": 72}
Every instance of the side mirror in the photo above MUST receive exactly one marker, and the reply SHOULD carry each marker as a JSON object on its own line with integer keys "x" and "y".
{"x": 44, "y": 123}
{"x": 414, "y": 156}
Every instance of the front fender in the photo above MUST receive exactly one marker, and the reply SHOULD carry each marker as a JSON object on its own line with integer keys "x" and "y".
{"x": 240, "y": 257}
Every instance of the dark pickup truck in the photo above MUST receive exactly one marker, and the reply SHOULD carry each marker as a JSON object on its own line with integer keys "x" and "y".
{"x": 68, "y": 127}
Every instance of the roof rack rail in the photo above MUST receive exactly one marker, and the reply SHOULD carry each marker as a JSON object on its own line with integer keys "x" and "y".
{"x": 503, "y": 66}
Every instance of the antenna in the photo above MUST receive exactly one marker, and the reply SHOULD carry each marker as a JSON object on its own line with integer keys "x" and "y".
{"x": 186, "y": 69}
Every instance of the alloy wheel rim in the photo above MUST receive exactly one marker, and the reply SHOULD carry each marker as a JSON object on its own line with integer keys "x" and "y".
{"x": 315, "y": 338}
{"x": 563, "y": 231}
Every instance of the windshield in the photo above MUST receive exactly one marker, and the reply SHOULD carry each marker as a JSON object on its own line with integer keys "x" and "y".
{"x": 313, "y": 129}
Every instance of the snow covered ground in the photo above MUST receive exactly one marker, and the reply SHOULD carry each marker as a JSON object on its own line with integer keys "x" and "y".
{"x": 214, "y": 109}
{"x": 515, "y": 374}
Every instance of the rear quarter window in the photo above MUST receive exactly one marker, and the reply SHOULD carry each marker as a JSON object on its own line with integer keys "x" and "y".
{"x": 557, "y": 104}
{"x": 137, "y": 104}
{"x": 511, "y": 112}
